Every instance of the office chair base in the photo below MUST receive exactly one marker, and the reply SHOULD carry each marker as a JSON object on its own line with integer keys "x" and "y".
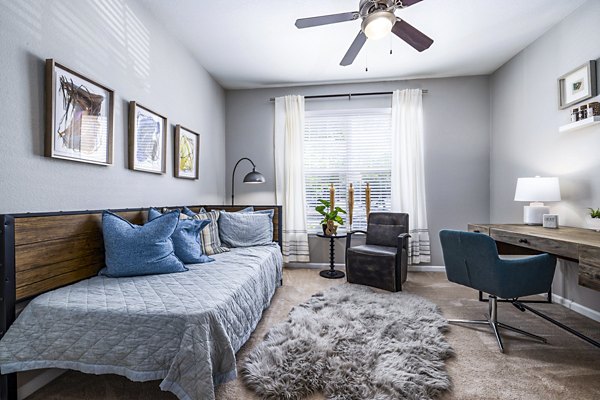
{"x": 492, "y": 321}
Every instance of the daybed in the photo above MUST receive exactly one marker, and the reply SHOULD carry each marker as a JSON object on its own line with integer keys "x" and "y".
{"x": 183, "y": 328}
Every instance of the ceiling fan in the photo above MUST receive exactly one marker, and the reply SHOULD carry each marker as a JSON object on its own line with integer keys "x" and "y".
{"x": 378, "y": 19}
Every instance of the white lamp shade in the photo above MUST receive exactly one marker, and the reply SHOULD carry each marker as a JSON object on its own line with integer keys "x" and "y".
{"x": 537, "y": 189}
{"x": 378, "y": 24}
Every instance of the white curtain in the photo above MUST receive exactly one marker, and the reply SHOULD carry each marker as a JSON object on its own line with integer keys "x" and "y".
{"x": 289, "y": 176}
{"x": 408, "y": 175}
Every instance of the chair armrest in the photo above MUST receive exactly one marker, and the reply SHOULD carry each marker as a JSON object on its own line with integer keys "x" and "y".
{"x": 403, "y": 241}
{"x": 349, "y": 237}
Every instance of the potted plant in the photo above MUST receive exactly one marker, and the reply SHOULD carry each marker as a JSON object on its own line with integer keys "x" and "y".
{"x": 593, "y": 219}
{"x": 330, "y": 217}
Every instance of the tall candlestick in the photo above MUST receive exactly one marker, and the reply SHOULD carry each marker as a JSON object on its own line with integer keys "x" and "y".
{"x": 331, "y": 197}
{"x": 350, "y": 204}
{"x": 368, "y": 200}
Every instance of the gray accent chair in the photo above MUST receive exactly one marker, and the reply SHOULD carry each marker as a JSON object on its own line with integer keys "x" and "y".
{"x": 383, "y": 261}
{"x": 471, "y": 260}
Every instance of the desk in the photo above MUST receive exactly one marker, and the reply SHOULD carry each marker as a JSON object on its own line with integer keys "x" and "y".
{"x": 573, "y": 244}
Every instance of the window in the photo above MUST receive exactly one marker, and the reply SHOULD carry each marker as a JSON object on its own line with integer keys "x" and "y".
{"x": 343, "y": 147}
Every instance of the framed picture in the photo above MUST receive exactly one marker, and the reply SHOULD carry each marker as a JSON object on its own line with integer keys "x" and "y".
{"x": 79, "y": 117}
{"x": 147, "y": 140}
{"x": 577, "y": 85}
{"x": 187, "y": 151}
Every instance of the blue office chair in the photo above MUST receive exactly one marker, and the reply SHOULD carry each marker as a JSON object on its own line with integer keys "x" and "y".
{"x": 472, "y": 260}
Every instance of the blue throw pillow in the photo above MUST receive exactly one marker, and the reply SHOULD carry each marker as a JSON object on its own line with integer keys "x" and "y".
{"x": 269, "y": 212}
{"x": 245, "y": 229}
{"x": 188, "y": 212}
{"x": 132, "y": 250}
{"x": 186, "y": 239}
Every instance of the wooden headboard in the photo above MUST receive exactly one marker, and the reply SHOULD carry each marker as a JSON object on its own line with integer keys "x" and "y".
{"x": 44, "y": 251}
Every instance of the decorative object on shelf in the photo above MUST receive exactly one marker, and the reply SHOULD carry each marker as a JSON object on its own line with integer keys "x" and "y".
{"x": 253, "y": 177}
{"x": 550, "y": 221}
{"x": 583, "y": 112}
{"x": 330, "y": 217}
{"x": 577, "y": 85}
{"x": 575, "y": 115}
{"x": 593, "y": 219}
{"x": 593, "y": 109}
{"x": 147, "y": 140}
{"x": 187, "y": 153}
{"x": 536, "y": 190}
{"x": 350, "y": 206}
{"x": 368, "y": 199}
{"x": 79, "y": 117}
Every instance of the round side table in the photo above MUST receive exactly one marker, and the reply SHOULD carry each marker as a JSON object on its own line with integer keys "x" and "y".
{"x": 331, "y": 273}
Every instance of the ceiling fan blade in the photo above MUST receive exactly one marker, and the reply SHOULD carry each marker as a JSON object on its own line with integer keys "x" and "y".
{"x": 354, "y": 49}
{"x": 411, "y": 35}
{"x": 408, "y": 3}
{"x": 326, "y": 19}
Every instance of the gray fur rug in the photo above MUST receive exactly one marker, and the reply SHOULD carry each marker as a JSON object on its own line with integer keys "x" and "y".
{"x": 353, "y": 343}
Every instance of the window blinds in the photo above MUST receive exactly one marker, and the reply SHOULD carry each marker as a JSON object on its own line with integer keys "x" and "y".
{"x": 343, "y": 147}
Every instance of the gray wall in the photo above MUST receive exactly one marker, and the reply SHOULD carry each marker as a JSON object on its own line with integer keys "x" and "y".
{"x": 525, "y": 137}
{"x": 120, "y": 45}
{"x": 456, "y": 146}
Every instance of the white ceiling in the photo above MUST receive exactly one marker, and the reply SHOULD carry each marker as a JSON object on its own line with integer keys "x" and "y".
{"x": 254, "y": 43}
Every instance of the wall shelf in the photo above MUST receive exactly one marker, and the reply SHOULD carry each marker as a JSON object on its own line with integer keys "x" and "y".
{"x": 584, "y": 123}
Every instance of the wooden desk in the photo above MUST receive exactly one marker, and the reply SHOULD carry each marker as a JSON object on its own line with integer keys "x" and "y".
{"x": 574, "y": 244}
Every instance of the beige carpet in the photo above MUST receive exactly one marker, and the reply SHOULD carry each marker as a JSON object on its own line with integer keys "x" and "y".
{"x": 565, "y": 368}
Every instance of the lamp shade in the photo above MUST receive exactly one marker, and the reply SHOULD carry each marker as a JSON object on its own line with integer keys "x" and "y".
{"x": 537, "y": 189}
{"x": 254, "y": 177}
{"x": 378, "y": 24}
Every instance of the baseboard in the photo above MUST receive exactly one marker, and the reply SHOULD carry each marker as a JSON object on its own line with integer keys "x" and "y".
{"x": 578, "y": 308}
{"x": 38, "y": 382}
{"x": 411, "y": 268}
{"x": 313, "y": 265}
{"x": 426, "y": 268}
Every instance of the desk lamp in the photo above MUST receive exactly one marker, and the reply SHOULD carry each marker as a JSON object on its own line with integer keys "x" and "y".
{"x": 536, "y": 190}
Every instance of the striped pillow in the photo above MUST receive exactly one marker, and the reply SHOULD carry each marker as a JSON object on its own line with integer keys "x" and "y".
{"x": 211, "y": 243}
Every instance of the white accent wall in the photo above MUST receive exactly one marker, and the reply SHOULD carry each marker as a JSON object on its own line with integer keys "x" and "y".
{"x": 118, "y": 44}
{"x": 525, "y": 138}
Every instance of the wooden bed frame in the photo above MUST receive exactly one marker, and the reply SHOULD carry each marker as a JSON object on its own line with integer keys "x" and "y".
{"x": 40, "y": 252}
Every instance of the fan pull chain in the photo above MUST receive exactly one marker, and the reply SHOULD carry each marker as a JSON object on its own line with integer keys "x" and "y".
{"x": 366, "y": 60}
{"x": 391, "y": 44}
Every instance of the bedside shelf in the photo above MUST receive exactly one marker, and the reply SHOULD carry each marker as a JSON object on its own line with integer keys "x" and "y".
{"x": 573, "y": 126}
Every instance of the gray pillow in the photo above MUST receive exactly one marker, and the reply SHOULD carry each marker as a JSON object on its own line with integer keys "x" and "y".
{"x": 245, "y": 229}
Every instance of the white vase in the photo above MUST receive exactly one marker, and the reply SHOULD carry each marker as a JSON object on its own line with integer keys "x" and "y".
{"x": 593, "y": 223}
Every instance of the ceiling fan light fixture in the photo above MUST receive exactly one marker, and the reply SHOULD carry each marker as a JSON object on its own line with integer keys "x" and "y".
{"x": 378, "y": 24}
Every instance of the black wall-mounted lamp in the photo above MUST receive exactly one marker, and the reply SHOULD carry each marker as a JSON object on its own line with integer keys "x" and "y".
{"x": 251, "y": 177}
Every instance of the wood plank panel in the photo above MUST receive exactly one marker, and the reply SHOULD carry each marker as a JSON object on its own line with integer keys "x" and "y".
{"x": 54, "y": 282}
{"x": 31, "y": 256}
{"x": 40, "y": 229}
{"x": 31, "y": 275}
{"x": 479, "y": 229}
{"x": 589, "y": 267}
{"x": 541, "y": 243}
